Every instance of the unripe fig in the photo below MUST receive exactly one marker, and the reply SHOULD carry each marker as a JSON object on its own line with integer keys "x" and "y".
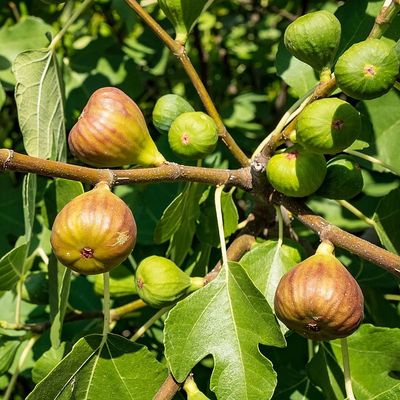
{"x": 167, "y": 109}
{"x": 36, "y": 288}
{"x": 193, "y": 135}
{"x": 328, "y": 126}
{"x": 296, "y": 172}
{"x": 160, "y": 282}
{"x": 94, "y": 232}
{"x": 367, "y": 69}
{"x": 343, "y": 179}
{"x": 319, "y": 299}
{"x": 112, "y": 132}
{"x": 314, "y": 39}
{"x": 183, "y": 14}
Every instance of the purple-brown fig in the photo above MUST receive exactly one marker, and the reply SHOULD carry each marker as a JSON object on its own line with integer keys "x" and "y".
{"x": 112, "y": 132}
{"x": 319, "y": 299}
{"x": 94, "y": 232}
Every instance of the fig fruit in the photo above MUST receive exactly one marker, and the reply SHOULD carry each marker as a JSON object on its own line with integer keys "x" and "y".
{"x": 193, "y": 135}
{"x": 36, "y": 288}
{"x": 328, "y": 126}
{"x": 367, "y": 69}
{"x": 183, "y": 15}
{"x": 112, "y": 132}
{"x": 343, "y": 179}
{"x": 296, "y": 172}
{"x": 160, "y": 282}
{"x": 167, "y": 109}
{"x": 314, "y": 39}
{"x": 94, "y": 232}
{"x": 320, "y": 299}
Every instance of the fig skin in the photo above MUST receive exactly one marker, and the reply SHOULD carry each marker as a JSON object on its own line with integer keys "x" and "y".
{"x": 343, "y": 179}
{"x": 319, "y": 299}
{"x": 160, "y": 282}
{"x": 193, "y": 135}
{"x": 296, "y": 172}
{"x": 314, "y": 39}
{"x": 167, "y": 109}
{"x": 328, "y": 126}
{"x": 94, "y": 232}
{"x": 112, "y": 132}
{"x": 367, "y": 69}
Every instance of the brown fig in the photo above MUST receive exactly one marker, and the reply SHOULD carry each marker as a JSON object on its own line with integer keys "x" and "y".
{"x": 94, "y": 232}
{"x": 112, "y": 132}
{"x": 319, "y": 298}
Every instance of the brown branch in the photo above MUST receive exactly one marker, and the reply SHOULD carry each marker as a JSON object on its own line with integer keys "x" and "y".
{"x": 179, "y": 51}
{"x": 384, "y": 19}
{"x": 168, "y": 172}
{"x": 168, "y": 389}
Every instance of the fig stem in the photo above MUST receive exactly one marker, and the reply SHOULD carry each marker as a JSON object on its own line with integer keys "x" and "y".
{"x": 143, "y": 329}
{"x": 18, "y": 300}
{"x": 346, "y": 369}
{"x": 325, "y": 75}
{"x": 345, "y": 204}
{"x": 196, "y": 283}
{"x": 326, "y": 247}
{"x": 106, "y": 305}
{"x": 280, "y": 225}
{"x": 220, "y": 222}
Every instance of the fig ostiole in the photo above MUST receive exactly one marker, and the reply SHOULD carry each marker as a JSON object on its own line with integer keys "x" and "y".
{"x": 368, "y": 69}
{"x": 160, "y": 282}
{"x": 296, "y": 172}
{"x": 94, "y": 232}
{"x": 314, "y": 39}
{"x": 328, "y": 126}
{"x": 183, "y": 15}
{"x": 167, "y": 109}
{"x": 193, "y": 135}
{"x": 112, "y": 132}
{"x": 319, "y": 299}
{"x": 343, "y": 179}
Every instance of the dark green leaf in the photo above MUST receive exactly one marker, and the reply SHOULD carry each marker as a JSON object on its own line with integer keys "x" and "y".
{"x": 12, "y": 267}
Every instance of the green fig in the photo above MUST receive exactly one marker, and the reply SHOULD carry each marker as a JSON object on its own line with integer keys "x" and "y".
{"x": 36, "y": 288}
{"x": 160, "y": 282}
{"x": 328, "y": 126}
{"x": 183, "y": 14}
{"x": 367, "y": 69}
{"x": 94, "y": 232}
{"x": 167, "y": 109}
{"x": 319, "y": 299}
{"x": 192, "y": 391}
{"x": 112, "y": 132}
{"x": 314, "y": 39}
{"x": 296, "y": 172}
{"x": 193, "y": 135}
{"x": 343, "y": 179}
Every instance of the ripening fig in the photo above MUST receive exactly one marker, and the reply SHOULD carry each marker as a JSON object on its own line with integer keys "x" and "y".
{"x": 193, "y": 135}
{"x": 183, "y": 14}
{"x": 343, "y": 179}
{"x": 112, "y": 132}
{"x": 328, "y": 126}
{"x": 367, "y": 69}
{"x": 314, "y": 39}
{"x": 296, "y": 172}
{"x": 94, "y": 232}
{"x": 167, "y": 109}
{"x": 319, "y": 299}
{"x": 160, "y": 282}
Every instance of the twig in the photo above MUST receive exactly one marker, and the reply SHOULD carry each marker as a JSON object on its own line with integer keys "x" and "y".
{"x": 383, "y": 20}
{"x": 168, "y": 389}
{"x": 346, "y": 369}
{"x": 179, "y": 51}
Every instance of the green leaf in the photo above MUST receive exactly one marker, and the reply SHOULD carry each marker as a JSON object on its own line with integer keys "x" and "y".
{"x": 374, "y": 360}
{"x": 12, "y": 267}
{"x": 387, "y": 218}
{"x": 299, "y": 76}
{"x": 111, "y": 369}
{"x": 266, "y": 263}
{"x": 47, "y": 361}
{"x": 228, "y": 319}
{"x": 8, "y": 350}
{"x": 39, "y": 98}
{"x": 28, "y": 33}
{"x": 2, "y": 96}
{"x": 29, "y": 187}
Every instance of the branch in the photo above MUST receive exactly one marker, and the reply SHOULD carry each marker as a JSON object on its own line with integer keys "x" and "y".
{"x": 168, "y": 172}
{"x": 168, "y": 389}
{"x": 388, "y": 12}
{"x": 179, "y": 51}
